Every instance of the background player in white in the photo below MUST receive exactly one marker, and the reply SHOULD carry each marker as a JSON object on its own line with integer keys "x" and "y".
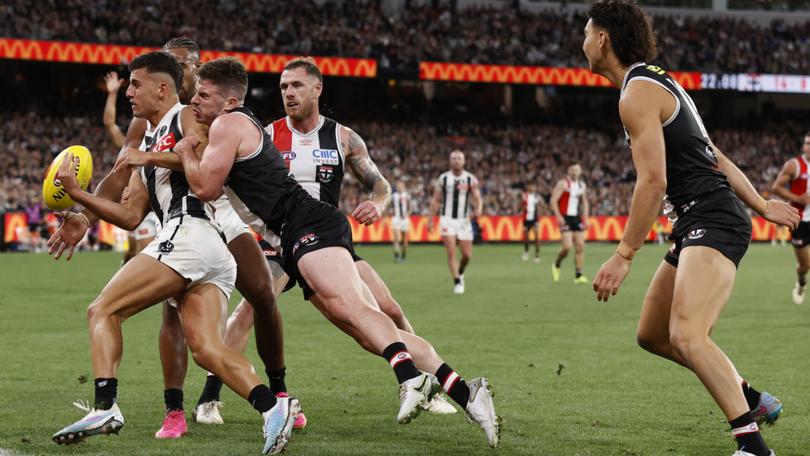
{"x": 673, "y": 155}
{"x": 569, "y": 201}
{"x": 531, "y": 202}
{"x": 188, "y": 261}
{"x": 400, "y": 221}
{"x": 794, "y": 174}
{"x": 456, "y": 190}
{"x": 316, "y": 149}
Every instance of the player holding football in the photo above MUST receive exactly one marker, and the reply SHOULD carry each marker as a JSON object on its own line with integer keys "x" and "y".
{"x": 673, "y": 156}
{"x": 315, "y": 236}
{"x": 794, "y": 174}
{"x": 456, "y": 190}
{"x": 188, "y": 262}
{"x": 569, "y": 201}
{"x": 254, "y": 279}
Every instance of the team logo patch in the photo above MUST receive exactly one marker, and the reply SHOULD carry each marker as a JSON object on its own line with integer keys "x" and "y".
{"x": 325, "y": 157}
{"x": 165, "y": 247}
{"x": 162, "y": 130}
{"x": 696, "y": 234}
{"x": 305, "y": 240}
{"x": 305, "y": 141}
{"x": 326, "y": 173}
{"x": 165, "y": 143}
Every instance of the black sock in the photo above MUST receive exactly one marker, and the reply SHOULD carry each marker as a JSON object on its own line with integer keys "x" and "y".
{"x": 261, "y": 398}
{"x": 751, "y": 396}
{"x": 453, "y": 385}
{"x": 398, "y": 357}
{"x": 106, "y": 392}
{"x": 578, "y": 273}
{"x": 210, "y": 392}
{"x": 802, "y": 280}
{"x": 402, "y": 255}
{"x": 173, "y": 398}
{"x": 276, "y": 377}
{"x": 746, "y": 432}
{"x": 457, "y": 281}
{"x": 557, "y": 262}
{"x": 525, "y": 246}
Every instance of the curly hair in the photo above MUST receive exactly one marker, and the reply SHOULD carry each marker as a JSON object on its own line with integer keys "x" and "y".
{"x": 630, "y": 30}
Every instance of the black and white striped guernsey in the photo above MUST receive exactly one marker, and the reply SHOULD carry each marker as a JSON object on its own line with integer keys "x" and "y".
{"x": 456, "y": 194}
{"x": 260, "y": 187}
{"x": 169, "y": 192}
{"x": 691, "y": 162}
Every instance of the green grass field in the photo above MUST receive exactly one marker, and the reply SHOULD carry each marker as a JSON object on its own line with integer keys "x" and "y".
{"x": 569, "y": 377}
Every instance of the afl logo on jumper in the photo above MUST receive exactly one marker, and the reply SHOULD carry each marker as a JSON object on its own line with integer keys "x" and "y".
{"x": 165, "y": 247}
{"x": 696, "y": 234}
{"x": 325, "y": 173}
{"x": 288, "y": 157}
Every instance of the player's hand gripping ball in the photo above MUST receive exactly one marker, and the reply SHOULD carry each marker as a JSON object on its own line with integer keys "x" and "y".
{"x": 54, "y": 196}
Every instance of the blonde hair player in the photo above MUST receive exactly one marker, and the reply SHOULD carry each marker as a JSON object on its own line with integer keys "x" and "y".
{"x": 569, "y": 201}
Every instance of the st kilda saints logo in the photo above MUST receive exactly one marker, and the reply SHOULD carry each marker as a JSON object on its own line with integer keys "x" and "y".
{"x": 326, "y": 173}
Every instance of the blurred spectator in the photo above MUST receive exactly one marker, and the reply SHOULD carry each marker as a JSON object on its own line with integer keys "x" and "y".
{"x": 359, "y": 28}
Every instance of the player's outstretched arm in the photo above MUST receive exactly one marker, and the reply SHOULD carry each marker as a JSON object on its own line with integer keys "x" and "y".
{"x": 125, "y": 215}
{"x": 206, "y": 174}
{"x": 640, "y": 110}
{"x": 773, "y": 210}
{"x": 111, "y": 187}
{"x": 112, "y": 83}
{"x": 367, "y": 173}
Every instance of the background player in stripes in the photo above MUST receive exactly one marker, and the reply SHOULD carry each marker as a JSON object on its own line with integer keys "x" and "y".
{"x": 456, "y": 190}
{"x": 569, "y": 201}
{"x": 674, "y": 156}
{"x": 795, "y": 174}
{"x": 253, "y": 274}
{"x": 315, "y": 238}
{"x": 400, "y": 221}
{"x": 316, "y": 149}
{"x": 531, "y": 202}
{"x": 188, "y": 261}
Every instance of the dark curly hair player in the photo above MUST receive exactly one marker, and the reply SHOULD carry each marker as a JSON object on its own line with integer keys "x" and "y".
{"x": 675, "y": 159}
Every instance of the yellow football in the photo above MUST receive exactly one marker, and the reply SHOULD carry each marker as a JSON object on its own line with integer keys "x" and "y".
{"x": 53, "y": 194}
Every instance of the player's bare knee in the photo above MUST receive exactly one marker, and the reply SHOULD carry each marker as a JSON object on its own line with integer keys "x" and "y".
{"x": 391, "y": 308}
{"x": 685, "y": 342}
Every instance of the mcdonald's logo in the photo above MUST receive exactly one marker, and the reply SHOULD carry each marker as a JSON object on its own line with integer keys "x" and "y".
{"x": 12, "y": 221}
{"x": 58, "y": 51}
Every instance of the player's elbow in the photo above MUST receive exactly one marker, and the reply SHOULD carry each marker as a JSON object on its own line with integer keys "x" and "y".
{"x": 208, "y": 193}
{"x": 653, "y": 183}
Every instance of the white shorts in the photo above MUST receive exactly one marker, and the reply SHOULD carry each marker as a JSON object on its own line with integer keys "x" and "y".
{"x": 228, "y": 220}
{"x": 147, "y": 229}
{"x": 460, "y": 228}
{"x": 400, "y": 224}
{"x": 195, "y": 250}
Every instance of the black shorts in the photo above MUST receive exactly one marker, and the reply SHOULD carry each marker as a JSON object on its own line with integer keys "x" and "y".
{"x": 800, "y": 237}
{"x": 273, "y": 255}
{"x": 720, "y": 222}
{"x": 312, "y": 226}
{"x": 572, "y": 223}
{"x": 529, "y": 224}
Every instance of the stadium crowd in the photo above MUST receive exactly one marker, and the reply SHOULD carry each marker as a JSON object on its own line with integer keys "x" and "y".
{"x": 420, "y": 32}
{"x": 504, "y": 159}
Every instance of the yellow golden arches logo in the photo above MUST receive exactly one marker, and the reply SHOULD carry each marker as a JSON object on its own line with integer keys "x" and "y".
{"x": 13, "y": 221}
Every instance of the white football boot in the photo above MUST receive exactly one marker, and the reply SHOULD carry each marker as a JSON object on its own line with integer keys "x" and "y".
{"x": 525, "y": 256}
{"x": 96, "y": 422}
{"x": 208, "y": 413}
{"x": 798, "y": 294}
{"x": 413, "y": 394}
{"x": 745, "y": 453}
{"x": 481, "y": 409}
{"x": 439, "y": 405}
{"x": 278, "y": 424}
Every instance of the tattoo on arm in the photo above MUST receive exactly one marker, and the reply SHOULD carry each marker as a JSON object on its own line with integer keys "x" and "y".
{"x": 365, "y": 170}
